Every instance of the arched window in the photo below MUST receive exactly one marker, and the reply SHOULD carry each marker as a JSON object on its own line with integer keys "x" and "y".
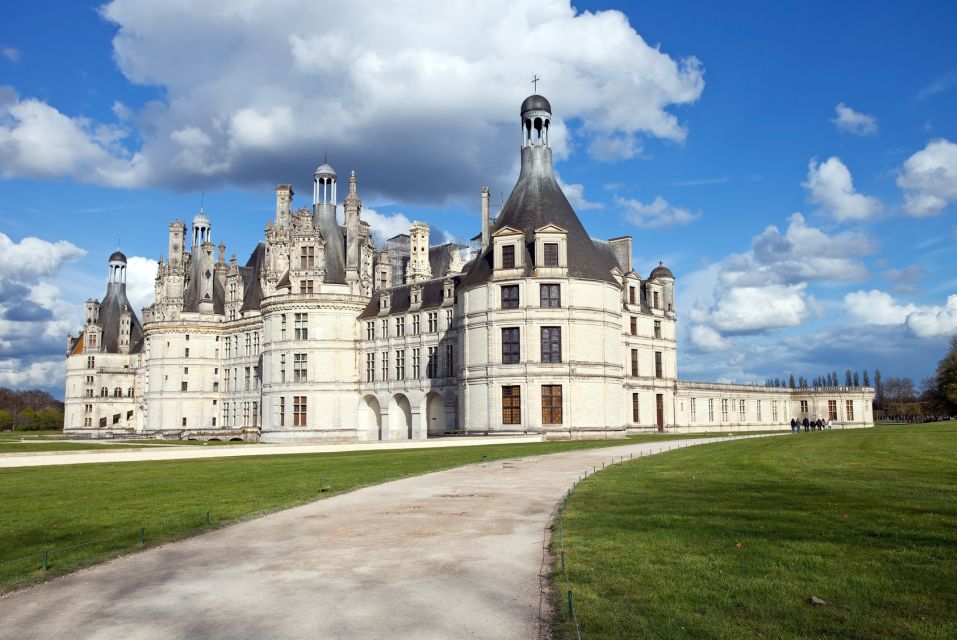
{"x": 129, "y": 392}
{"x": 104, "y": 392}
{"x": 117, "y": 392}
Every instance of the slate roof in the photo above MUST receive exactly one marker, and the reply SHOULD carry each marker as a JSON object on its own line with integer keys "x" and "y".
{"x": 110, "y": 309}
{"x": 432, "y": 296}
{"x": 252, "y": 289}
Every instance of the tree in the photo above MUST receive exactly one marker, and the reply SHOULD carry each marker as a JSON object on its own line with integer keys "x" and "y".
{"x": 867, "y": 380}
{"x": 26, "y": 420}
{"x": 49, "y": 418}
{"x": 878, "y": 389}
{"x": 847, "y": 378}
{"x": 791, "y": 382}
{"x": 6, "y": 420}
{"x": 857, "y": 380}
{"x": 946, "y": 378}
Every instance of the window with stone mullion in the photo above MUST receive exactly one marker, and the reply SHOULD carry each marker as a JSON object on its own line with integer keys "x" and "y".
{"x": 551, "y": 344}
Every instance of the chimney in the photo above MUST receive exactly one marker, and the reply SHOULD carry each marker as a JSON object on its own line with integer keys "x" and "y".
{"x": 486, "y": 222}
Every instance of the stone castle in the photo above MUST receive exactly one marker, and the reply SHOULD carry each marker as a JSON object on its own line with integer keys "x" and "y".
{"x": 536, "y": 327}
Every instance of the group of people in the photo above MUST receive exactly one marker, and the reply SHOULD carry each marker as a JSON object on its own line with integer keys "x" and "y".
{"x": 810, "y": 425}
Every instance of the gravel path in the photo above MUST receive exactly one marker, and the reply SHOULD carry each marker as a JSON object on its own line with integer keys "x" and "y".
{"x": 452, "y": 554}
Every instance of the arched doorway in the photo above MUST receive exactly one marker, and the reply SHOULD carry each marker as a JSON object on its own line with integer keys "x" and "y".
{"x": 400, "y": 417}
{"x": 435, "y": 415}
{"x": 370, "y": 418}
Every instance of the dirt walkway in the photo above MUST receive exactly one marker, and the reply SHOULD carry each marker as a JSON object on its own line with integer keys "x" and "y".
{"x": 453, "y": 554}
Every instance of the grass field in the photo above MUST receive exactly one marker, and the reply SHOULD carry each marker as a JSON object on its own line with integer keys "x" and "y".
{"x": 733, "y": 539}
{"x": 88, "y": 513}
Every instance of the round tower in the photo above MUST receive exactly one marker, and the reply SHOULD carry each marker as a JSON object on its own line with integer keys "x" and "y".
{"x": 117, "y": 268}
{"x": 536, "y": 116}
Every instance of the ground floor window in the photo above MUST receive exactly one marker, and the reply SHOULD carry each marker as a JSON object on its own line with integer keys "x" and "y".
{"x": 299, "y": 411}
{"x": 512, "y": 405}
{"x": 724, "y": 410}
{"x": 758, "y": 410}
{"x": 849, "y": 410}
{"x": 551, "y": 404}
{"x": 694, "y": 411}
{"x": 774, "y": 410}
{"x": 711, "y": 410}
{"x": 635, "y": 412}
{"x": 803, "y": 406}
{"x": 742, "y": 414}
{"x": 282, "y": 411}
{"x": 832, "y": 409}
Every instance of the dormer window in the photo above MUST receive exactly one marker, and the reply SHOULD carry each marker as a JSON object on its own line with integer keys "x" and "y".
{"x": 508, "y": 256}
{"x": 551, "y": 250}
{"x": 307, "y": 257}
{"x": 551, "y": 254}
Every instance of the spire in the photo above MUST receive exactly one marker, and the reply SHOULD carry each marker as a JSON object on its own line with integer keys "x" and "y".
{"x": 352, "y": 197}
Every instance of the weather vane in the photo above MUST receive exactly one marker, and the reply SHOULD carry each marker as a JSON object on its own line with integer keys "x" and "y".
{"x": 535, "y": 81}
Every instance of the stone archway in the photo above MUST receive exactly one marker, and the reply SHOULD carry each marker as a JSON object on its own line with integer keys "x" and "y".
{"x": 436, "y": 418}
{"x": 370, "y": 418}
{"x": 400, "y": 417}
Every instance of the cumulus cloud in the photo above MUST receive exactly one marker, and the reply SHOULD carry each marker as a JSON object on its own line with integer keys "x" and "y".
{"x": 829, "y": 184}
{"x": 850, "y": 121}
{"x": 427, "y": 109}
{"x": 140, "y": 282}
{"x": 756, "y": 309}
{"x": 32, "y": 258}
{"x": 655, "y": 214}
{"x": 18, "y": 374}
{"x": 385, "y": 225}
{"x": 707, "y": 339}
{"x": 880, "y": 308}
{"x": 929, "y": 179}
{"x": 11, "y": 53}
{"x": 576, "y": 196}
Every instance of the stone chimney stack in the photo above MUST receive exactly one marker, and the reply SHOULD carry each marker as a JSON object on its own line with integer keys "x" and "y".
{"x": 419, "y": 267}
{"x": 486, "y": 220}
{"x": 284, "y": 194}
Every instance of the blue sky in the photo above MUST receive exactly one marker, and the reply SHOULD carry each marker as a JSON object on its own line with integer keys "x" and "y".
{"x": 795, "y": 166}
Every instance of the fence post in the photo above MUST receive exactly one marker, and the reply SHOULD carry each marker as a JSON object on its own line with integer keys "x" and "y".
{"x": 207, "y": 518}
{"x": 46, "y": 559}
{"x": 142, "y": 534}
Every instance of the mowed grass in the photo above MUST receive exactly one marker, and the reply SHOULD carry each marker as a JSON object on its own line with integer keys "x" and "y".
{"x": 731, "y": 540}
{"x": 83, "y": 514}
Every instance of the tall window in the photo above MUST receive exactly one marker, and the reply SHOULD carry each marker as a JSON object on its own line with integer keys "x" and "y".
{"x": 631, "y": 295}
{"x": 741, "y": 411}
{"x": 385, "y": 328}
{"x": 551, "y": 344}
{"x": 282, "y": 368}
{"x": 657, "y": 328}
{"x": 724, "y": 409}
{"x": 710, "y": 409}
{"x": 757, "y": 410}
{"x": 512, "y": 405}
{"x": 510, "y": 296}
{"x": 307, "y": 257}
{"x": 301, "y": 324}
{"x": 370, "y": 330}
{"x": 229, "y": 341}
{"x": 400, "y": 364}
{"x": 448, "y": 318}
{"x": 635, "y": 408}
{"x": 511, "y": 346}
{"x": 400, "y": 327}
{"x": 551, "y": 295}
{"x": 415, "y": 325}
{"x": 282, "y": 411}
{"x": 299, "y": 367}
{"x": 249, "y": 344}
{"x": 832, "y": 409}
{"x": 282, "y": 331}
{"x": 416, "y": 365}
{"x": 508, "y": 256}
{"x": 657, "y": 299}
{"x": 551, "y": 254}
{"x": 385, "y": 366}
{"x": 432, "y": 364}
{"x": 551, "y": 404}
{"x": 634, "y": 362}
{"x": 299, "y": 411}
{"x": 658, "y": 368}
{"x": 90, "y": 362}
{"x": 449, "y": 360}
{"x": 774, "y": 410}
{"x": 634, "y": 326}
{"x": 370, "y": 367}
{"x": 694, "y": 410}
{"x": 848, "y": 410}
{"x": 803, "y": 406}
{"x": 248, "y": 377}
{"x": 305, "y": 286}
{"x": 433, "y": 321}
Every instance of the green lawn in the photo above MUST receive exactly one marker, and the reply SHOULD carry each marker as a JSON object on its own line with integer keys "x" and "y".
{"x": 102, "y": 507}
{"x": 731, "y": 540}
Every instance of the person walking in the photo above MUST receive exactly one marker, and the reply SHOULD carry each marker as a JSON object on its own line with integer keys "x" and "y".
{"x": 830, "y": 425}
{"x": 806, "y": 424}
{"x": 793, "y": 425}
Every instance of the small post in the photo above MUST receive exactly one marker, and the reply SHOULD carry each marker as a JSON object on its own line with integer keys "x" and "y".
{"x": 142, "y": 534}
{"x": 46, "y": 559}
{"x": 571, "y": 606}
{"x": 207, "y": 518}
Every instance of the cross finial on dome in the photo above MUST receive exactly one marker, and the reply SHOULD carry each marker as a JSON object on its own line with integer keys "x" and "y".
{"x": 535, "y": 81}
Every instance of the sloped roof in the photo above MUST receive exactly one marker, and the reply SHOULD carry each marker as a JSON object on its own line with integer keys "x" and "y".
{"x": 112, "y": 306}
{"x": 433, "y": 293}
{"x": 252, "y": 289}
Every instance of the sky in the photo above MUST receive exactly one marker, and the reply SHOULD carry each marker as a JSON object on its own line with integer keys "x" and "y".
{"x": 795, "y": 165}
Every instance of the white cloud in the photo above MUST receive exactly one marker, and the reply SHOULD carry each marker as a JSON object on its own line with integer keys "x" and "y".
{"x": 929, "y": 179}
{"x": 756, "y": 309}
{"x": 18, "y": 374}
{"x": 880, "y": 308}
{"x": 426, "y": 108}
{"x": 655, "y": 214}
{"x": 385, "y": 226}
{"x": 829, "y": 184}
{"x": 850, "y": 121}
{"x": 707, "y": 339}
{"x": 11, "y": 53}
{"x": 32, "y": 258}
{"x": 140, "y": 282}
{"x": 576, "y": 196}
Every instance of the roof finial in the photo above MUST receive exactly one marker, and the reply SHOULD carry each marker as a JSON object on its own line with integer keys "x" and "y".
{"x": 325, "y": 155}
{"x": 535, "y": 81}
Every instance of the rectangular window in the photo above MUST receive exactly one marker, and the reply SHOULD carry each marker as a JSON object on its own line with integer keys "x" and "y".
{"x": 508, "y": 256}
{"x": 299, "y": 411}
{"x": 635, "y": 408}
{"x": 657, "y": 299}
{"x": 634, "y": 326}
{"x": 282, "y": 411}
{"x": 249, "y": 343}
{"x": 551, "y": 254}
{"x": 186, "y": 352}
{"x": 370, "y": 367}
{"x": 774, "y": 410}
{"x": 512, "y": 405}
{"x": 510, "y": 296}
{"x": 229, "y": 344}
{"x": 399, "y": 327}
{"x": 634, "y": 362}
{"x": 370, "y": 330}
{"x": 551, "y": 296}
{"x": 301, "y": 326}
{"x": 385, "y": 366}
{"x": 449, "y": 360}
{"x": 282, "y": 331}
{"x": 416, "y": 365}
{"x": 307, "y": 257}
{"x": 511, "y": 346}
{"x": 255, "y": 414}
{"x": 658, "y": 369}
{"x": 448, "y": 318}
{"x": 300, "y": 367}
{"x": 742, "y": 415}
{"x": 282, "y": 367}
{"x": 757, "y": 410}
{"x": 433, "y": 321}
{"x": 400, "y": 364}
{"x": 803, "y": 406}
{"x": 657, "y": 328}
{"x": 631, "y": 295}
{"x": 415, "y": 325}
{"x": 183, "y": 385}
{"x": 711, "y": 410}
{"x": 432, "y": 364}
{"x": 551, "y": 344}
{"x": 848, "y": 410}
{"x": 724, "y": 410}
{"x": 832, "y": 409}
{"x": 694, "y": 410}
{"x": 184, "y": 422}
{"x": 248, "y": 370}
{"x": 385, "y": 328}
{"x": 551, "y": 404}
{"x": 305, "y": 286}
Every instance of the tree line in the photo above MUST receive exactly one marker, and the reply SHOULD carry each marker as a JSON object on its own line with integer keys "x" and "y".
{"x": 31, "y": 410}
{"x": 851, "y": 379}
